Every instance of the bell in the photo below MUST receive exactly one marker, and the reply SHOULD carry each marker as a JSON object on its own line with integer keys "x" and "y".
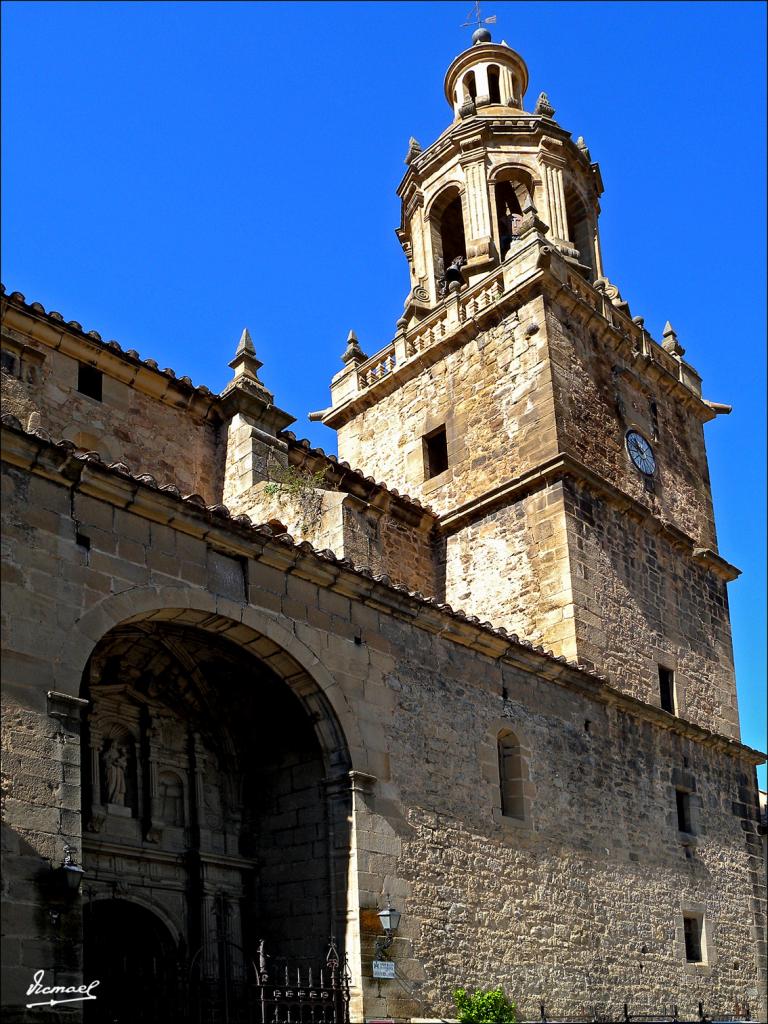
{"x": 453, "y": 273}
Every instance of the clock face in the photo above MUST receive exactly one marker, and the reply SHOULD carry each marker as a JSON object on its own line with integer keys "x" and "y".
{"x": 641, "y": 453}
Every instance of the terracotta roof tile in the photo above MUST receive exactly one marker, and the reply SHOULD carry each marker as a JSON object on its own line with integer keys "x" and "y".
{"x": 303, "y": 443}
{"x": 244, "y": 522}
{"x": 112, "y": 345}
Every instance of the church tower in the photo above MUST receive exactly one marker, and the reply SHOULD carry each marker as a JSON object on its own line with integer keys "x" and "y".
{"x": 560, "y": 445}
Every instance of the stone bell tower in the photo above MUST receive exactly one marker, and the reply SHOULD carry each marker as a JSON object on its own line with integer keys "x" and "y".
{"x": 561, "y": 446}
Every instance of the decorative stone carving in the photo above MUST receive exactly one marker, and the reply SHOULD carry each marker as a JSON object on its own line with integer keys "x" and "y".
{"x": 612, "y": 293}
{"x": 115, "y": 769}
{"x": 543, "y": 106}
{"x": 670, "y": 343}
{"x": 353, "y": 353}
{"x": 414, "y": 148}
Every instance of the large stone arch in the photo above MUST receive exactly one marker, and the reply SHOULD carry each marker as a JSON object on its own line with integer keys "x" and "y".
{"x": 244, "y": 845}
{"x": 245, "y": 625}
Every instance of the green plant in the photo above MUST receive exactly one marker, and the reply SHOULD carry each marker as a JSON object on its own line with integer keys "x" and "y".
{"x": 298, "y": 490}
{"x": 481, "y": 1007}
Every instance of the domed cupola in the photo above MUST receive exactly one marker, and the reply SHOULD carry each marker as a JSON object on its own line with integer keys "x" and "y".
{"x": 486, "y": 75}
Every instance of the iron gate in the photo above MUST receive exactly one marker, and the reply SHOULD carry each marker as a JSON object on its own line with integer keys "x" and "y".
{"x": 277, "y": 994}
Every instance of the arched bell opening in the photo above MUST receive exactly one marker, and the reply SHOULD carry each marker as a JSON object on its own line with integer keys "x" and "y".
{"x": 494, "y": 84}
{"x": 512, "y": 194}
{"x": 469, "y": 86}
{"x": 581, "y": 228}
{"x": 449, "y": 245}
{"x": 215, "y": 790}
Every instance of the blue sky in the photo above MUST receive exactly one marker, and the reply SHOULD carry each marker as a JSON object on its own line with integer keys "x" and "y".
{"x": 173, "y": 172}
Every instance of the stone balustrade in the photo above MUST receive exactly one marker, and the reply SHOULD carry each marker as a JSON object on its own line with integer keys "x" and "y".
{"x": 459, "y": 307}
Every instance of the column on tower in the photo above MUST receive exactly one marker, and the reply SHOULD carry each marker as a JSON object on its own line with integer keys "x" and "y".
{"x": 554, "y": 189}
{"x": 478, "y": 215}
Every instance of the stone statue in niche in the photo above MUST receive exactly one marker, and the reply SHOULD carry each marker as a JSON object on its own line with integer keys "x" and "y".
{"x": 115, "y": 773}
{"x": 510, "y": 228}
{"x": 171, "y": 799}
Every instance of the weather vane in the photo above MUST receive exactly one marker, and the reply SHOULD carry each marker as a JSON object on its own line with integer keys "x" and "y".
{"x": 475, "y": 17}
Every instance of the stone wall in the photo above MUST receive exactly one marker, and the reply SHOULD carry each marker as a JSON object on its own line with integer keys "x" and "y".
{"x": 494, "y": 396}
{"x": 383, "y": 541}
{"x": 585, "y": 898}
{"x": 579, "y": 902}
{"x": 512, "y": 566}
{"x": 640, "y": 603}
{"x": 600, "y": 395}
{"x": 144, "y": 419}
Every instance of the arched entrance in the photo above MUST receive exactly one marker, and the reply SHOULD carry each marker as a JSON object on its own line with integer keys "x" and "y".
{"x": 133, "y": 956}
{"x": 216, "y": 791}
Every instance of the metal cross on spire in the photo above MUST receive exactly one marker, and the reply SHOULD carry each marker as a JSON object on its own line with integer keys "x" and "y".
{"x": 475, "y": 17}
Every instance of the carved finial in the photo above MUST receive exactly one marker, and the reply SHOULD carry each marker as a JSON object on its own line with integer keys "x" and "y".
{"x": 246, "y": 367}
{"x": 543, "y": 106}
{"x": 581, "y": 144}
{"x": 353, "y": 353}
{"x": 245, "y": 362}
{"x": 414, "y": 148}
{"x": 245, "y": 344}
{"x": 669, "y": 341}
{"x": 467, "y": 108}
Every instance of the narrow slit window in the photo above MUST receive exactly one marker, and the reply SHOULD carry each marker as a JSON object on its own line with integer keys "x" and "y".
{"x": 494, "y": 91}
{"x": 667, "y": 689}
{"x": 436, "y": 453}
{"x": 692, "y": 930}
{"x": 683, "y": 800}
{"x": 511, "y": 776}
{"x": 89, "y": 381}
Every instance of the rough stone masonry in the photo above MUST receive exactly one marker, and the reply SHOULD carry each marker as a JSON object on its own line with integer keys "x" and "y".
{"x": 255, "y": 693}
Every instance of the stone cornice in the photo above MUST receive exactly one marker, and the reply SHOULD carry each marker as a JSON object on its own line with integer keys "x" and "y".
{"x": 564, "y": 465}
{"x": 115, "y": 485}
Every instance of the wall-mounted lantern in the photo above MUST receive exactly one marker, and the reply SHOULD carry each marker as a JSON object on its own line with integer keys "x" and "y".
{"x": 68, "y": 876}
{"x": 390, "y": 919}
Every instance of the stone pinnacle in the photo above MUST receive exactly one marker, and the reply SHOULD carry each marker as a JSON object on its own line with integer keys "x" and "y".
{"x": 669, "y": 341}
{"x": 353, "y": 352}
{"x": 245, "y": 344}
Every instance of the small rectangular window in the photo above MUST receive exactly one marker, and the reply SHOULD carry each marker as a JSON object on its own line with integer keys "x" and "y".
{"x": 667, "y": 689}
{"x": 683, "y": 811}
{"x": 692, "y": 925}
{"x": 435, "y": 453}
{"x": 89, "y": 381}
{"x": 653, "y": 409}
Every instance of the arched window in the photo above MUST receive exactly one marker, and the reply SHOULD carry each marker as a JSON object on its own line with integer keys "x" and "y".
{"x": 580, "y": 228}
{"x": 452, "y": 241}
{"x": 494, "y": 88}
{"x": 470, "y": 86}
{"x": 509, "y": 215}
{"x": 511, "y": 775}
{"x": 446, "y": 221}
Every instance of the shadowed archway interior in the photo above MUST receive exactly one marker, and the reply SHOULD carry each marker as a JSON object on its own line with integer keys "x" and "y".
{"x": 215, "y": 794}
